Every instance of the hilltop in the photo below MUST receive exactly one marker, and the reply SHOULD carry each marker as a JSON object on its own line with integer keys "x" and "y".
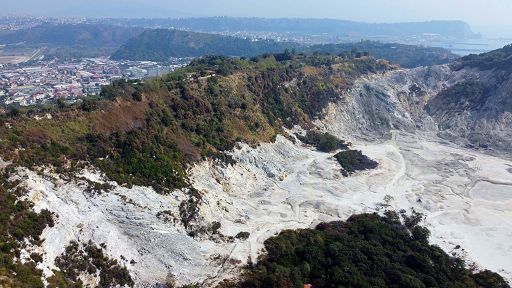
{"x": 162, "y": 44}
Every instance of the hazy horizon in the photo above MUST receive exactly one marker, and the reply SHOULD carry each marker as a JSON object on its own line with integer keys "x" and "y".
{"x": 490, "y": 18}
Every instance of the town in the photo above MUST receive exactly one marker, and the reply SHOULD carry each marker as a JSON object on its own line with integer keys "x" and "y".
{"x": 49, "y": 80}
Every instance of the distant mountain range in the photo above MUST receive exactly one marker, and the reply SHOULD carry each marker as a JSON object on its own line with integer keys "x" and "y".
{"x": 124, "y": 39}
{"x": 331, "y": 27}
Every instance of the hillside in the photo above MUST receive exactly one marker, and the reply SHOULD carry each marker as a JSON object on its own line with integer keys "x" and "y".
{"x": 408, "y": 56}
{"x": 500, "y": 59}
{"x": 396, "y": 253}
{"x": 162, "y": 44}
{"x": 164, "y": 124}
{"x": 72, "y": 35}
{"x": 340, "y": 28}
{"x": 72, "y": 40}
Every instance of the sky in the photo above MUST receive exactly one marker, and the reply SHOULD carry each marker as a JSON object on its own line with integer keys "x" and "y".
{"x": 490, "y": 17}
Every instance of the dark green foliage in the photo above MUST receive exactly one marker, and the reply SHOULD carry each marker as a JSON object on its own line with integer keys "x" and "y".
{"x": 188, "y": 211}
{"x": 365, "y": 251}
{"x": 464, "y": 96}
{"x": 162, "y": 44}
{"x": 72, "y": 40}
{"x": 353, "y": 161}
{"x": 89, "y": 259}
{"x": 500, "y": 59}
{"x": 72, "y": 35}
{"x": 324, "y": 142}
{"x": 18, "y": 222}
{"x": 243, "y": 235}
{"x": 89, "y": 104}
{"x": 488, "y": 278}
{"x": 141, "y": 157}
{"x": 118, "y": 88}
{"x": 408, "y": 56}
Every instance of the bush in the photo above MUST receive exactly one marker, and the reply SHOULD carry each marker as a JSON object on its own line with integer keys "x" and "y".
{"x": 353, "y": 160}
{"x": 243, "y": 235}
{"x": 17, "y": 223}
{"x": 89, "y": 259}
{"x": 365, "y": 251}
{"x": 324, "y": 142}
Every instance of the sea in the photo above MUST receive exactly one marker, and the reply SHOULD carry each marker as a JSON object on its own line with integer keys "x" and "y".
{"x": 473, "y": 46}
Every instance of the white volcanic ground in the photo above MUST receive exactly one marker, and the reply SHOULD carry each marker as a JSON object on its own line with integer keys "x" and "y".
{"x": 465, "y": 195}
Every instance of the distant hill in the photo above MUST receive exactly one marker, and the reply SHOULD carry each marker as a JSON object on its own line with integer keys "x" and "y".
{"x": 340, "y": 28}
{"x": 407, "y": 56}
{"x": 66, "y": 41}
{"x": 162, "y": 44}
{"x": 500, "y": 59}
{"x": 93, "y": 35}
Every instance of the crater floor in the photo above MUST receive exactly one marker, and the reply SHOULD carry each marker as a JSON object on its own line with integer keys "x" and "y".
{"x": 465, "y": 195}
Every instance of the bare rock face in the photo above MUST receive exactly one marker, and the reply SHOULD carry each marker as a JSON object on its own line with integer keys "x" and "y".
{"x": 469, "y": 107}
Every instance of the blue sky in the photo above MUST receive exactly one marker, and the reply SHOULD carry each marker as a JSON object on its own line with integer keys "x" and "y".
{"x": 487, "y": 16}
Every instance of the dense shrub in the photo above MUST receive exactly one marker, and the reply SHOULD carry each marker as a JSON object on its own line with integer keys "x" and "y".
{"x": 500, "y": 59}
{"x": 324, "y": 142}
{"x": 354, "y": 160}
{"x": 464, "y": 96}
{"x": 89, "y": 259}
{"x": 365, "y": 251}
{"x": 17, "y": 223}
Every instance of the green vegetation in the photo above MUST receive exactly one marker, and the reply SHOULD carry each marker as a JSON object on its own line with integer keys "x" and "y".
{"x": 162, "y": 44}
{"x": 324, "y": 142}
{"x": 19, "y": 222}
{"x": 196, "y": 112}
{"x": 73, "y": 40}
{"x": 500, "y": 59}
{"x": 354, "y": 160}
{"x": 408, "y": 56}
{"x": 464, "y": 96}
{"x": 350, "y": 160}
{"x": 88, "y": 259}
{"x": 365, "y": 251}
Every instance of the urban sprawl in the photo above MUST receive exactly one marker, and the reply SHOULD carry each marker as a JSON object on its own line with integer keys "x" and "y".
{"x": 45, "y": 81}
